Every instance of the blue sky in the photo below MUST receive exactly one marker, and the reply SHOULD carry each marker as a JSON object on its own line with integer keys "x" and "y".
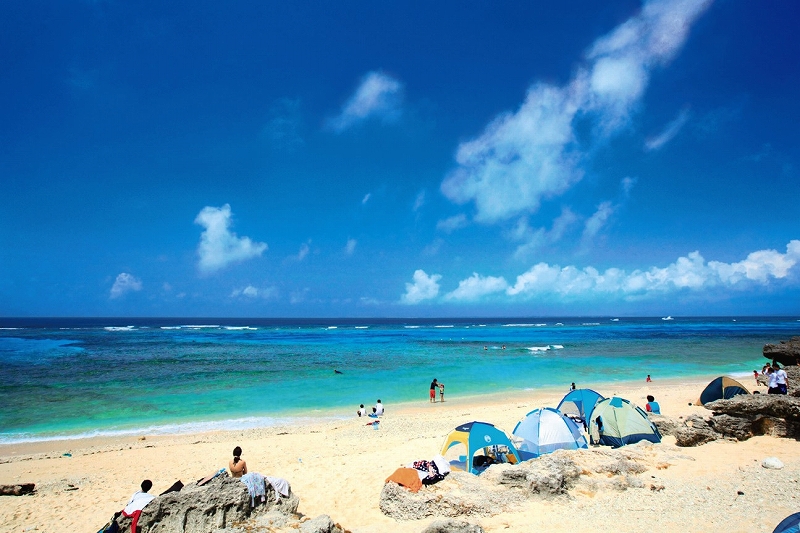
{"x": 399, "y": 159}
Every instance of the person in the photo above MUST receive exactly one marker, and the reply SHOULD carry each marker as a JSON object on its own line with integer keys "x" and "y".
{"x": 441, "y": 391}
{"x": 361, "y": 410}
{"x": 237, "y": 465}
{"x": 138, "y": 502}
{"x": 434, "y": 386}
{"x": 755, "y": 376}
{"x": 572, "y": 387}
{"x": 652, "y": 405}
{"x": 781, "y": 379}
{"x": 379, "y": 408}
{"x": 648, "y": 380}
{"x": 772, "y": 381}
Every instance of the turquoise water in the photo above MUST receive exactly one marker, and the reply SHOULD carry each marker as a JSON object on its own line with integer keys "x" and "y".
{"x": 78, "y": 377}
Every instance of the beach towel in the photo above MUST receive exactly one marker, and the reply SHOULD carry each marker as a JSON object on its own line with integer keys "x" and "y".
{"x": 255, "y": 486}
{"x": 176, "y": 487}
{"x": 281, "y": 487}
{"x": 406, "y": 477}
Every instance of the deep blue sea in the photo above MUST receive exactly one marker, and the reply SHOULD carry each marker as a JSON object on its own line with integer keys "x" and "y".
{"x": 84, "y": 377}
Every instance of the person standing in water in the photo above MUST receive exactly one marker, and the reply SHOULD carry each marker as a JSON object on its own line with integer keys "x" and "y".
{"x": 434, "y": 386}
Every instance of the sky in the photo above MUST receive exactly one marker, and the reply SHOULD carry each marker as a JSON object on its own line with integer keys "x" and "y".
{"x": 399, "y": 159}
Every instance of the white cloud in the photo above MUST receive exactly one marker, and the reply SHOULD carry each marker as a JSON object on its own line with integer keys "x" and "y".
{"x": 533, "y": 154}
{"x": 366, "y": 198}
{"x": 350, "y": 247}
{"x": 686, "y": 273}
{"x": 378, "y": 95}
{"x": 254, "y": 292}
{"x": 424, "y": 287}
{"x": 451, "y": 224}
{"x": 419, "y": 201}
{"x": 597, "y": 221}
{"x": 532, "y": 239}
{"x": 670, "y": 131}
{"x": 219, "y": 246}
{"x": 124, "y": 284}
{"x": 477, "y": 286}
{"x": 303, "y": 252}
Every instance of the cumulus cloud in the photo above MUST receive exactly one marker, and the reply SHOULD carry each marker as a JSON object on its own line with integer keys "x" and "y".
{"x": 424, "y": 287}
{"x": 691, "y": 272}
{"x": 451, "y": 224}
{"x": 670, "y": 131}
{"x": 124, "y": 284}
{"x": 477, "y": 286}
{"x": 532, "y": 154}
{"x": 378, "y": 95}
{"x": 219, "y": 246}
{"x": 350, "y": 247}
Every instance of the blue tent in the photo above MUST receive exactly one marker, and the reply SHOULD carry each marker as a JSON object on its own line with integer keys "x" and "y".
{"x": 578, "y": 404}
{"x": 484, "y": 440}
{"x": 790, "y": 524}
{"x": 616, "y": 422}
{"x": 545, "y": 431}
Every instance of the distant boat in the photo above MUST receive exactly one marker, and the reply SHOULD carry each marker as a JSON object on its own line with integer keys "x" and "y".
{"x": 667, "y": 318}
{"x": 615, "y": 320}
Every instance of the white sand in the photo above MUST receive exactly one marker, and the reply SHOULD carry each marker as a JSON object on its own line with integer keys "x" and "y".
{"x": 338, "y": 468}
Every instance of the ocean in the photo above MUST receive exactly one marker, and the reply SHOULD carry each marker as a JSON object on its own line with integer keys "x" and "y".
{"x": 72, "y": 378}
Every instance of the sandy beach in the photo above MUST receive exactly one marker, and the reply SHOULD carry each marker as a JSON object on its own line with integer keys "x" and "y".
{"x": 338, "y": 468}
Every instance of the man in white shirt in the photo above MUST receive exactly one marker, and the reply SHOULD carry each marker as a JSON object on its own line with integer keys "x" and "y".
{"x": 781, "y": 379}
{"x": 379, "y": 408}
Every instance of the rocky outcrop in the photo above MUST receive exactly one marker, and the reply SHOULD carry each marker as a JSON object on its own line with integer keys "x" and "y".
{"x": 452, "y": 526}
{"x": 505, "y": 487}
{"x": 17, "y": 490}
{"x": 743, "y": 417}
{"x": 786, "y": 352}
{"x": 219, "y": 504}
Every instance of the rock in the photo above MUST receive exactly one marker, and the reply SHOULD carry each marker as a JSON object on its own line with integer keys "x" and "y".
{"x": 452, "y": 526}
{"x": 772, "y": 463}
{"x": 218, "y": 504}
{"x": 732, "y": 426}
{"x": 320, "y": 524}
{"x": 17, "y": 490}
{"x": 786, "y": 352}
{"x": 666, "y": 425}
{"x": 758, "y": 405}
{"x": 696, "y": 431}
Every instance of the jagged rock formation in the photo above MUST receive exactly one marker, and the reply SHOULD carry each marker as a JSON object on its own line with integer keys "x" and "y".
{"x": 742, "y": 417}
{"x": 505, "y": 487}
{"x": 224, "y": 506}
{"x": 786, "y": 352}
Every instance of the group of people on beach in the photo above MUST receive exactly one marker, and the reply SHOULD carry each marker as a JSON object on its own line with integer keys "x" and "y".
{"x": 775, "y": 377}
{"x": 377, "y": 411}
{"x": 436, "y": 386}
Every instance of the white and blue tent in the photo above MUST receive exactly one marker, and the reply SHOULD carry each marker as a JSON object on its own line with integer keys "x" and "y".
{"x": 616, "y": 422}
{"x": 544, "y": 431}
{"x": 578, "y": 404}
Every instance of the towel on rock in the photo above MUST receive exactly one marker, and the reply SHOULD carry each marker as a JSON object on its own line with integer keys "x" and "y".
{"x": 407, "y": 477}
{"x": 255, "y": 486}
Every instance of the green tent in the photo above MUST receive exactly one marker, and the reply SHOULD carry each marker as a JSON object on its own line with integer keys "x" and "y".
{"x": 616, "y": 422}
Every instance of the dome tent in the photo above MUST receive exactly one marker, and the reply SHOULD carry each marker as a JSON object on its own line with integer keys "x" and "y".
{"x": 578, "y": 404}
{"x": 721, "y": 388}
{"x": 790, "y": 524}
{"x": 546, "y": 430}
{"x": 616, "y": 422}
{"x": 484, "y": 443}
